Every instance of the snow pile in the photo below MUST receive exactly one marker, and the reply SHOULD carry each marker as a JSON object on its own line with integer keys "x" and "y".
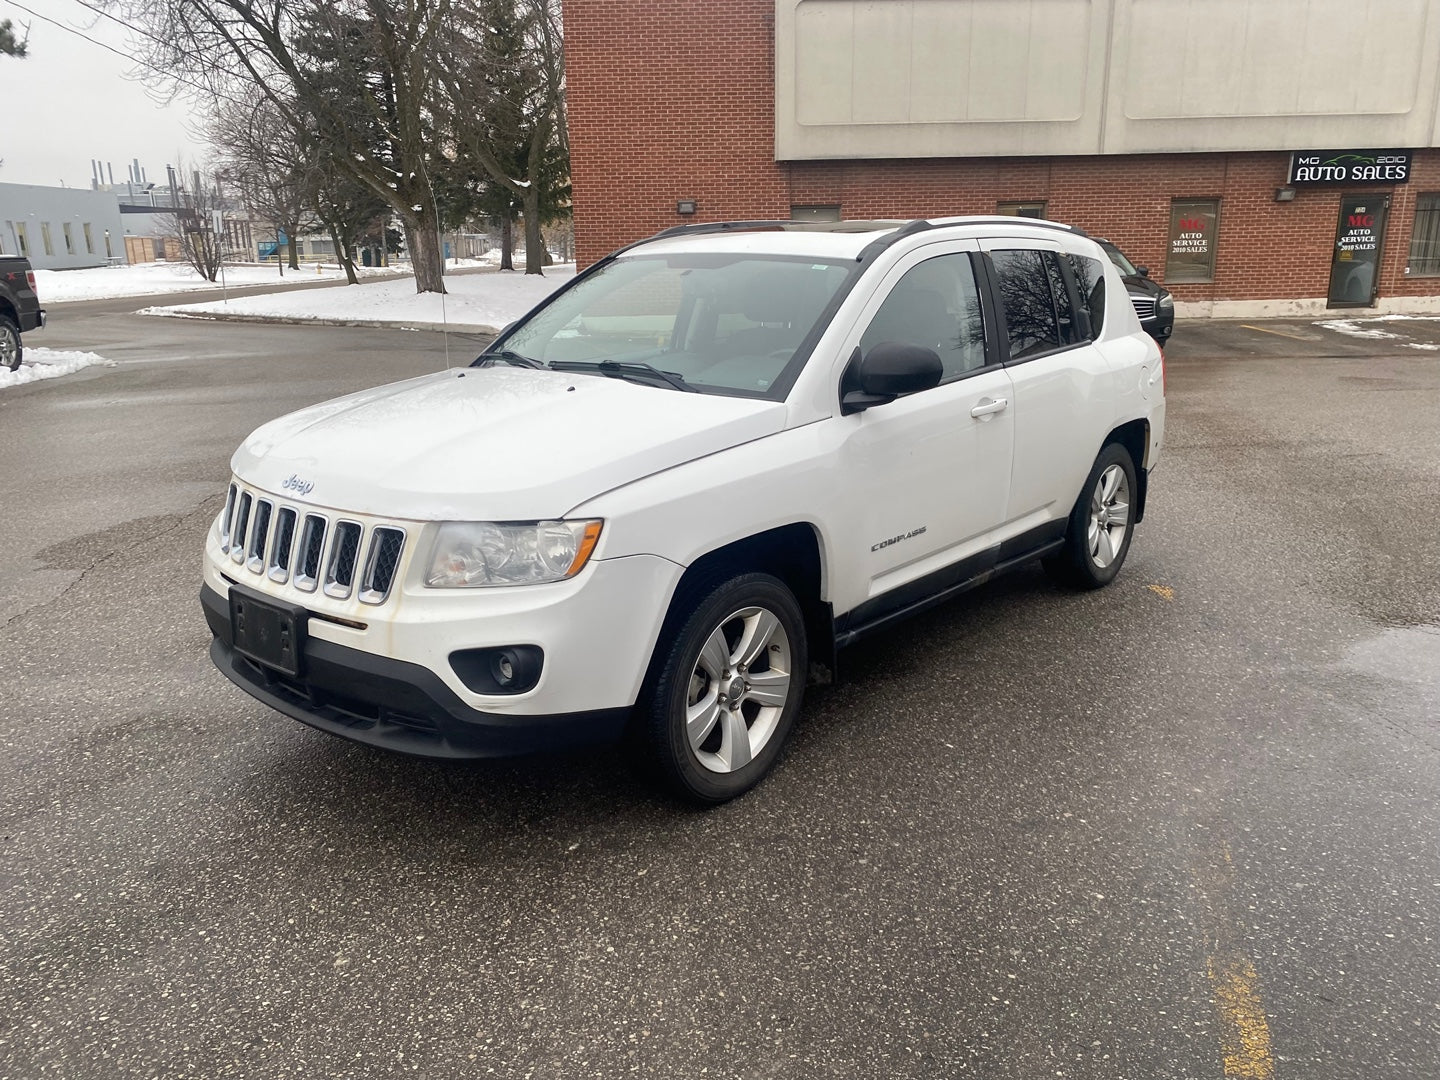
{"x": 1352, "y": 328}
{"x": 49, "y": 364}
{"x": 149, "y": 279}
{"x": 477, "y": 301}
{"x": 1361, "y": 328}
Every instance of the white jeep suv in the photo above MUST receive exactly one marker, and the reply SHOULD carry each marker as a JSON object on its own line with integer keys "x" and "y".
{"x": 707, "y": 463}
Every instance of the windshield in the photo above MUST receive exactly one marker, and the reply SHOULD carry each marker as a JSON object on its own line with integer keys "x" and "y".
{"x": 1118, "y": 258}
{"x": 726, "y": 324}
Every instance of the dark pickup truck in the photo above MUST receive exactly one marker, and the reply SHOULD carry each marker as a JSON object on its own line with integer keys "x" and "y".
{"x": 20, "y": 308}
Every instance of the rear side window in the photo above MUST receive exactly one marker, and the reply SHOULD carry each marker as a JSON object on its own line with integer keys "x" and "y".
{"x": 1090, "y": 278}
{"x": 1064, "y": 309}
{"x": 1029, "y": 306}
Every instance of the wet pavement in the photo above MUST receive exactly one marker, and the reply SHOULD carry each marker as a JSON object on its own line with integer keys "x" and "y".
{"x": 1184, "y": 827}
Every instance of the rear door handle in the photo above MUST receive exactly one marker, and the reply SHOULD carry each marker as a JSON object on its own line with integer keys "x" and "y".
{"x": 990, "y": 405}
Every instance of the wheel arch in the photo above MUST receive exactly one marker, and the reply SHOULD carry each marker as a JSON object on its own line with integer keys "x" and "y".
{"x": 1134, "y": 436}
{"x": 794, "y": 553}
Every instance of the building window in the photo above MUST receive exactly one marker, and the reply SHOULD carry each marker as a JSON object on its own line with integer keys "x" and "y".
{"x": 815, "y": 213}
{"x": 89, "y": 239}
{"x": 1022, "y": 209}
{"x": 23, "y": 239}
{"x": 1194, "y": 226}
{"x": 109, "y": 250}
{"x": 45, "y": 238}
{"x": 1425, "y": 240}
{"x": 69, "y": 238}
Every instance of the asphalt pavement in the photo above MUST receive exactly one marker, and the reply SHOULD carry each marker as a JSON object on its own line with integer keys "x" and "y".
{"x": 1184, "y": 827}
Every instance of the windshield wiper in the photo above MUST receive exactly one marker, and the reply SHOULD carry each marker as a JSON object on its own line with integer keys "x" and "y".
{"x": 629, "y": 370}
{"x": 506, "y": 356}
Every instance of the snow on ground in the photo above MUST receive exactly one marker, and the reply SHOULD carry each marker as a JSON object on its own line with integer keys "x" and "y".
{"x": 483, "y": 301}
{"x": 49, "y": 364}
{"x": 1361, "y": 328}
{"x": 1352, "y": 328}
{"x": 148, "y": 279}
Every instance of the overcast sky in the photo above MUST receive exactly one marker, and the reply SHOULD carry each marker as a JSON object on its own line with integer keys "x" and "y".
{"x": 70, "y": 101}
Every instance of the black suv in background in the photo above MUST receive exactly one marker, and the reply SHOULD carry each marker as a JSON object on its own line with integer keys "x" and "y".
{"x": 1153, "y": 303}
{"x": 19, "y": 307}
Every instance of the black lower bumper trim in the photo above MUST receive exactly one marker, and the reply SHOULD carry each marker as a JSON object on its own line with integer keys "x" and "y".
{"x": 393, "y": 704}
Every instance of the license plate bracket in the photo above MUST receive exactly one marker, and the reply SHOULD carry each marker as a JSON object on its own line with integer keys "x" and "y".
{"x": 270, "y": 633}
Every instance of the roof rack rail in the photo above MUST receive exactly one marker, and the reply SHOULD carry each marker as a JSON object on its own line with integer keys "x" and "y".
{"x": 1012, "y": 219}
{"x": 880, "y": 243}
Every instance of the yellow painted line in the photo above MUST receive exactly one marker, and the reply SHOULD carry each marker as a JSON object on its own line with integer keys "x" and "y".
{"x": 1278, "y": 333}
{"x": 1165, "y": 592}
{"x": 1244, "y": 1031}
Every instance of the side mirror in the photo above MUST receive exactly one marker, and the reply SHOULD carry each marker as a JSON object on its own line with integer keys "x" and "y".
{"x": 1143, "y": 271}
{"x": 886, "y": 372}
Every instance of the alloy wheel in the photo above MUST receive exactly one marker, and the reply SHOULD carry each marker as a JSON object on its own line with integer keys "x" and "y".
{"x": 738, "y": 689}
{"x": 1109, "y": 515}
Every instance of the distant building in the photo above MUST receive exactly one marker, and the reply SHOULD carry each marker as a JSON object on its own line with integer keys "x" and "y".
{"x": 60, "y": 228}
{"x": 1275, "y": 158}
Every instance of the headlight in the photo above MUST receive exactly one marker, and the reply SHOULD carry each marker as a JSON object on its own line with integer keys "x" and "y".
{"x": 1165, "y": 301}
{"x": 470, "y": 554}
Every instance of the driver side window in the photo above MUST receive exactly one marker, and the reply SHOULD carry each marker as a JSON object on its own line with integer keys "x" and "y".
{"x": 935, "y": 305}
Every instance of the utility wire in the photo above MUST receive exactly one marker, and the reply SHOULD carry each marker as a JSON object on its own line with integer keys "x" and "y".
{"x": 124, "y": 56}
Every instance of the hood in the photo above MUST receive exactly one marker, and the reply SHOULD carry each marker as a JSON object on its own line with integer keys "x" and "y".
{"x": 491, "y": 444}
{"x": 1136, "y": 285}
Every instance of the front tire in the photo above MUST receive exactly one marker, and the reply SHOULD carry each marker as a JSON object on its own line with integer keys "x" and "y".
{"x": 10, "y": 349}
{"x": 1101, "y": 524}
{"x": 724, "y": 692}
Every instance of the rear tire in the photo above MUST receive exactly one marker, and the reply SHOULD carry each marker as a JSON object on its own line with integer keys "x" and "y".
{"x": 10, "y": 348}
{"x": 723, "y": 693}
{"x": 1101, "y": 524}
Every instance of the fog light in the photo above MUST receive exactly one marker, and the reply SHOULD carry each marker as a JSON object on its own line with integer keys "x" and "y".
{"x": 505, "y": 669}
{"x": 508, "y": 669}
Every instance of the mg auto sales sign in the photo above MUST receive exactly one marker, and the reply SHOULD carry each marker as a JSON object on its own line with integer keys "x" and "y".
{"x": 1349, "y": 167}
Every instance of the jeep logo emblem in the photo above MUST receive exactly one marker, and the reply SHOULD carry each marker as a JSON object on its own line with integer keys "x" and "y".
{"x": 295, "y": 484}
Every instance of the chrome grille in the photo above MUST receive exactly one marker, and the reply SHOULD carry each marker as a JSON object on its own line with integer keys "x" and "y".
{"x": 259, "y": 534}
{"x": 241, "y": 528}
{"x": 384, "y": 559}
{"x": 1144, "y": 306}
{"x": 344, "y": 553}
{"x": 303, "y": 548}
{"x": 283, "y": 550}
{"x": 228, "y": 518}
{"x": 312, "y": 546}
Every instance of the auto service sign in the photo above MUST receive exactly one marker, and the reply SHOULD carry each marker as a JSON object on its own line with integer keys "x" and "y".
{"x": 1349, "y": 167}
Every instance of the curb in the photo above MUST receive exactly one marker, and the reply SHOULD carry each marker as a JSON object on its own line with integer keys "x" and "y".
{"x": 281, "y": 320}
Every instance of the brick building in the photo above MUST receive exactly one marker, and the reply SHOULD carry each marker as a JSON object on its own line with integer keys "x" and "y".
{"x": 1183, "y": 130}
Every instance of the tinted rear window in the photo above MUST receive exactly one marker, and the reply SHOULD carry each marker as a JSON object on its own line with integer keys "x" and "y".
{"x": 1090, "y": 278}
{"x": 1029, "y": 306}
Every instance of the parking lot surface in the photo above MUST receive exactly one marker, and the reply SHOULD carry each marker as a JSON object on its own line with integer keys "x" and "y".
{"x": 1184, "y": 827}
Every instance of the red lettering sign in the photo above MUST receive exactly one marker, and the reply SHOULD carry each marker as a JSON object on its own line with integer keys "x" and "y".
{"x": 1191, "y": 224}
{"x": 1366, "y": 220}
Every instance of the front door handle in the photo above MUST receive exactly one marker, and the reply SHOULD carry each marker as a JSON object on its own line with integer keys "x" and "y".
{"x": 989, "y": 405}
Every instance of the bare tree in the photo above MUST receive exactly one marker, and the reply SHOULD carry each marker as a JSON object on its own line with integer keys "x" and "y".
{"x": 267, "y": 163}
{"x": 351, "y": 67}
{"x": 193, "y": 226}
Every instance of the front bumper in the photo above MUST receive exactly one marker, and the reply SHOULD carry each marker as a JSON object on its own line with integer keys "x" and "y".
{"x": 1160, "y": 325}
{"x": 394, "y": 704}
